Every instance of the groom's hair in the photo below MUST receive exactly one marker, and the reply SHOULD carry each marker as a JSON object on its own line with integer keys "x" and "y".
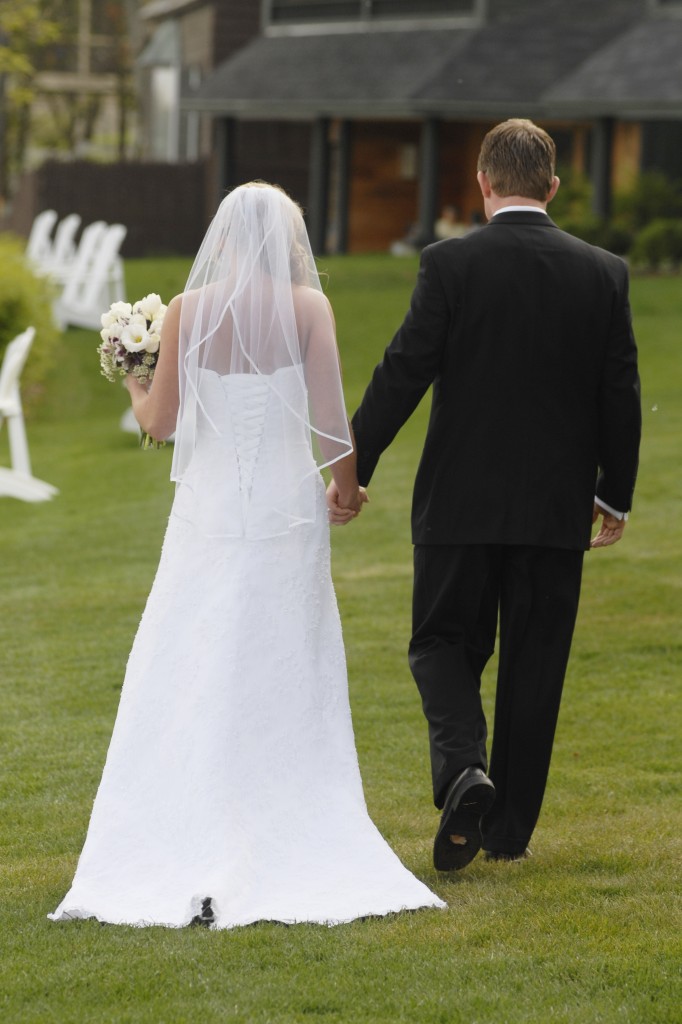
{"x": 519, "y": 159}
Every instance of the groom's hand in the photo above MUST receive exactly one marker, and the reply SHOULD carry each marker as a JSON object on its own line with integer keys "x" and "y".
{"x": 344, "y": 507}
{"x": 611, "y": 529}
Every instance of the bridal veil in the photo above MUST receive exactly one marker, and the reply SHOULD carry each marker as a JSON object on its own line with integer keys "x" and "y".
{"x": 254, "y": 318}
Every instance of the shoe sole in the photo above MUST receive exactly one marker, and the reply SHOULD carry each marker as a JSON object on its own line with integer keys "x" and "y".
{"x": 495, "y": 857}
{"x": 463, "y": 820}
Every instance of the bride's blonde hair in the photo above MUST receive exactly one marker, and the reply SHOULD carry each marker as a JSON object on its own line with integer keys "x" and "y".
{"x": 299, "y": 255}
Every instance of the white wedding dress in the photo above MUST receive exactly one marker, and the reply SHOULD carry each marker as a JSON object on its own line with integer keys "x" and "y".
{"x": 232, "y": 773}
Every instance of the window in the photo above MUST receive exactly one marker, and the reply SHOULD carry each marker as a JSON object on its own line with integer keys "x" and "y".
{"x": 398, "y": 8}
{"x": 104, "y": 58}
{"x": 292, "y": 12}
{"x": 58, "y": 57}
{"x": 61, "y": 55}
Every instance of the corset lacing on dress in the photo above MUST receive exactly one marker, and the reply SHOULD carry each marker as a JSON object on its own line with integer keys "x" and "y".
{"x": 248, "y": 401}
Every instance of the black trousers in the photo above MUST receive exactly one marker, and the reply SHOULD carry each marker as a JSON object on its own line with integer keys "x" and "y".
{"x": 459, "y": 591}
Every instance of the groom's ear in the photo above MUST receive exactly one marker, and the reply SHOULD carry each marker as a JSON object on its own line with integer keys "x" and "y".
{"x": 484, "y": 184}
{"x": 554, "y": 189}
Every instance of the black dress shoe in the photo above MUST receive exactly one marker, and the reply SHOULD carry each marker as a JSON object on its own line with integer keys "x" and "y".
{"x": 206, "y": 918}
{"x": 469, "y": 796}
{"x": 498, "y": 855}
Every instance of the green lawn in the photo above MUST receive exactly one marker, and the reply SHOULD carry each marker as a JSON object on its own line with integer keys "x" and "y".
{"x": 587, "y": 931}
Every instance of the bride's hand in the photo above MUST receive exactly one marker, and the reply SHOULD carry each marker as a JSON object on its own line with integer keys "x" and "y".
{"x": 344, "y": 507}
{"x": 135, "y": 385}
{"x": 353, "y": 500}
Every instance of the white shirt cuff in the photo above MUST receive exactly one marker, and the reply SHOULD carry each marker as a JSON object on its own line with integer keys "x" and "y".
{"x": 614, "y": 512}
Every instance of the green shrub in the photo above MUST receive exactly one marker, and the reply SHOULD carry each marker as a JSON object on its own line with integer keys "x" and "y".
{"x": 659, "y": 244}
{"x": 586, "y": 226}
{"x": 574, "y": 198}
{"x": 615, "y": 237}
{"x": 653, "y": 196}
{"x": 26, "y": 301}
{"x": 606, "y": 234}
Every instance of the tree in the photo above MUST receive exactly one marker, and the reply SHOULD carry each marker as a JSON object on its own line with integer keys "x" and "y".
{"x": 56, "y": 36}
{"x": 25, "y": 29}
{"x": 122, "y": 18}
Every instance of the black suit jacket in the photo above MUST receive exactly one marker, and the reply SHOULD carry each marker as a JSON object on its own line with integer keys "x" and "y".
{"x": 525, "y": 333}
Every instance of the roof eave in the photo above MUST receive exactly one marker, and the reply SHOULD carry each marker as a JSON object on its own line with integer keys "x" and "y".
{"x": 376, "y": 110}
{"x": 297, "y": 110}
{"x": 620, "y": 109}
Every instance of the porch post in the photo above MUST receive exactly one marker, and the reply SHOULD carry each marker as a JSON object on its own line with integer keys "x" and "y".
{"x": 318, "y": 188}
{"x": 601, "y": 166}
{"x": 225, "y": 148}
{"x": 428, "y": 179}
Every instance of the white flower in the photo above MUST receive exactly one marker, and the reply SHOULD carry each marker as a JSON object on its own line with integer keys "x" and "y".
{"x": 156, "y": 325}
{"x": 117, "y": 311}
{"x": 131, "y": 337}
{"x": 149, "y": 306}
{"x": 134, "y": 337}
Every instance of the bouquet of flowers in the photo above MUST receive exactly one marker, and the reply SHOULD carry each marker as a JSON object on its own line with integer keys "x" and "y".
{"x": 131, "y": 335}
{"x": 130, "y": 338}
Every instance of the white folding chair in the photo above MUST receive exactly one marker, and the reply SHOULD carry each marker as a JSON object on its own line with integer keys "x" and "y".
{"x": 60, "y": 262}
{"x": 78, "y": 272}
{"x": 18, "y": 481}
{"x": 96, "y": 280}
{"x": 39, "y": 245}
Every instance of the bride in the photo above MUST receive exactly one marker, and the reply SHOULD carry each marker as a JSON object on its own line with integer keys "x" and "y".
{"x": 231, "y": 791}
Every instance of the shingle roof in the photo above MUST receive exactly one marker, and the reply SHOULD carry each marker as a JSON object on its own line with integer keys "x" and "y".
{"x": 566, "y": 58}
{"x": 330, "y": 71}
{"x": 520, "y": 59}
{"x": 641, "y": 70}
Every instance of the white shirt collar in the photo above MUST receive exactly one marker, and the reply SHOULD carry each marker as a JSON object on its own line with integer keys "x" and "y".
{"x": 520, "y": 209}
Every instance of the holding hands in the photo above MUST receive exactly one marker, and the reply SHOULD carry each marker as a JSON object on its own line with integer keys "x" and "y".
{"x": 346, "y": 505}
{"x": 345, "y": 497}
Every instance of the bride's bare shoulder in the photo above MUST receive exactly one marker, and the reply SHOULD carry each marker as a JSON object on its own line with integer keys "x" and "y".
{"x": 192, "y": 295}
{"x": 309, "y": 303}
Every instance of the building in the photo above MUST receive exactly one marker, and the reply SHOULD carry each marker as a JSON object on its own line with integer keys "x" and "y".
{"x": 83, "y": 85}
{"x": 186, "y": 41}
{"x": 371, "y": 112}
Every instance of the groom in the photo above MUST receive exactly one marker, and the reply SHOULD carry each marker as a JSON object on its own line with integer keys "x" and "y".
{"x": 525, "y": 334}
